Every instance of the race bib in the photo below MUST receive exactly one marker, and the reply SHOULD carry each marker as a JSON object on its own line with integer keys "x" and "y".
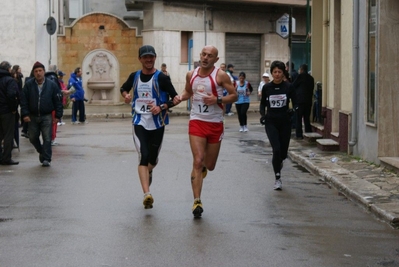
{"x": 143, "y": 105}
{"x": 198, "y": 104}
{"x": 200, "y": 107}
{"x": 278, "y": 101}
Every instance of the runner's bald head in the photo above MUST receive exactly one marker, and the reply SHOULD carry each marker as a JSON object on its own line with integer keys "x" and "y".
{"x": 214, "y": 50}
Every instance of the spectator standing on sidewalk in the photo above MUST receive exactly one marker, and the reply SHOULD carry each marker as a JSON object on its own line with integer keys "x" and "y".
{"x": 17, "y": 75}
{"x": 8, "y": 110}
{"x": 164, "y": 71}
{"x": 151, "y": 97}
{"x": 265, "y": 80}
{"x": 78, "y": 97}
{"x": 64, "y": 91}
{"x": 303, "y": 86}
{"x": 52, "y": 75}
{"x": 205, "y": 86}
{"x": 39, "y": 98}
{"x": 229, "y": 71}
{"x": 275, "y": 115}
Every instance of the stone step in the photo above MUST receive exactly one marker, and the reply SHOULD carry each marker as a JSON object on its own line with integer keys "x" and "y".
{"x": 311, "y": 137}
{"x": 327, "y": 145}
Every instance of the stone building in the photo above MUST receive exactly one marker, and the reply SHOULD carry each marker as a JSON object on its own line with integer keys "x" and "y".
{"x": 354, "y": 57}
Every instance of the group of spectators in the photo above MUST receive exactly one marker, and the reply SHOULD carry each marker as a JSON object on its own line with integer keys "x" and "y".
{"x": 243, "y": 89}
{"x": 41, "y": 100}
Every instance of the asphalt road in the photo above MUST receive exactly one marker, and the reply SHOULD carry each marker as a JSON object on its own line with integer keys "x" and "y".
{"x": 86, "y": 209}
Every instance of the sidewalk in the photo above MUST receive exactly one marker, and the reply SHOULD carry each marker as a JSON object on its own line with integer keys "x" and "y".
{"x": 372, "y": 187}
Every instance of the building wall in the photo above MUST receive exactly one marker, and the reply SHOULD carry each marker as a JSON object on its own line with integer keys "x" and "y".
{"x": 117, "y": 8}
{"x": 163, "y": 25}
{"x": 84, "y": 36}
{"x": 317, "y": 40}
{"x": 19, "y": 32}
{"x": 346, "y": 68}
{"x": 366, "y": 137}
{"x": 388, "y": 79}
{"x": 371, "y": 141}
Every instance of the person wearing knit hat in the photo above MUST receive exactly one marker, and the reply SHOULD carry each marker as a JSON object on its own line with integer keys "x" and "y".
{"x": 38, "y": 113}
{"x": 38, "y": 65}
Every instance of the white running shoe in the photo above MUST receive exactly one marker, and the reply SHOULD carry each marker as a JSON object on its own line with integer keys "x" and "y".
{"x": 245, "y": 128}
{"x": 241, "y": 128}
{"x": 278, "y": 185}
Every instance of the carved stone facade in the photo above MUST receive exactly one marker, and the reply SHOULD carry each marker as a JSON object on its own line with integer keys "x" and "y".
{"x": 100, "y": 32}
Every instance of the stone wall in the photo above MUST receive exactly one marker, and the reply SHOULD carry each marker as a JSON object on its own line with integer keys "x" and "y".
{"x": 99, "y": 31}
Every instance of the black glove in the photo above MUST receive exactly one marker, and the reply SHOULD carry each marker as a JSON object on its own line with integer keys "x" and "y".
{"x": 262, "y": 120}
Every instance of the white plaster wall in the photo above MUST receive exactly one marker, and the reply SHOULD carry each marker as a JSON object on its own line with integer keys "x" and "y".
{"x": 276, "y": 48}
{"x": 330, "y": 59}
{"x": 367, "y": 135}
{"x": 23, "y": 33}
{"x": 347, "y": 55}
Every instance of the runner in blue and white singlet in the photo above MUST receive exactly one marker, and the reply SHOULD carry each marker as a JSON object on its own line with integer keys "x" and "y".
{"x": 151, "y": 98}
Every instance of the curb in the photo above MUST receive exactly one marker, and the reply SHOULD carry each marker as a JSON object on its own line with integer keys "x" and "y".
{"x": 352, "y": 187}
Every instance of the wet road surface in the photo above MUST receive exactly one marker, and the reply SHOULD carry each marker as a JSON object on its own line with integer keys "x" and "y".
{"x": 86, "y": 209}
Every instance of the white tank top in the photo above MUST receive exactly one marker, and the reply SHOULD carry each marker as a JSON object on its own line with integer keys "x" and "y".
{"x": 202, "y": 86}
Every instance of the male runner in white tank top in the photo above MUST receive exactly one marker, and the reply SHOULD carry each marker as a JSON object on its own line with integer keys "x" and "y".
{"x": 205, "y": 85}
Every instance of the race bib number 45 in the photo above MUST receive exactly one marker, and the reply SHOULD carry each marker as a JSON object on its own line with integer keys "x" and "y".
{"x": 278, "y": 101}
{"x": 143, "y": 105}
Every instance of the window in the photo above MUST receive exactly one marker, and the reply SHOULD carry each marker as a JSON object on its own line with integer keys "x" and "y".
{"x": 372, "y": 48}
{"x": 185, "y": 49}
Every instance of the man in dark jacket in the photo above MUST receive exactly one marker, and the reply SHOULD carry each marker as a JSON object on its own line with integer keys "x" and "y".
{"x": 303, "y": 86}
{"x": 39, "y": 98}
{"x": 8, "y": 109}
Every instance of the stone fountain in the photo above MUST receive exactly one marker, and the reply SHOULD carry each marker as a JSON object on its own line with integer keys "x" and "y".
{"x": 101, "y": 79}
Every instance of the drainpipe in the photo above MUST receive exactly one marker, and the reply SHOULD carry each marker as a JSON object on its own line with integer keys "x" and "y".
{"x": 354, "y": 131}
{"x": 205, "y": 23}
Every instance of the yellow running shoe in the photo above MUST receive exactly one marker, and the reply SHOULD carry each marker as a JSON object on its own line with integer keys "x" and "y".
{"x": 147, "y": 202}
{"x": 197, "y": 208}
{"x": 204, "y": 172}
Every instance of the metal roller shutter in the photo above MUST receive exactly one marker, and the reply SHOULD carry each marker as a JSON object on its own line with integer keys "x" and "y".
{"x": 243, "y": 51}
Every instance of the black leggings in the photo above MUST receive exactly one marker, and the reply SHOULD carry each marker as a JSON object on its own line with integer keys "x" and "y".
{"x": 242, "y": 113}
{"x": 278, "y": 131}
{"x": 148, "y": 144}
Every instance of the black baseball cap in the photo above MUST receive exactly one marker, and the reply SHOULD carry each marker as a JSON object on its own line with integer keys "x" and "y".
{"x": 230, "y": 66}
{"x": 147, "y": 50}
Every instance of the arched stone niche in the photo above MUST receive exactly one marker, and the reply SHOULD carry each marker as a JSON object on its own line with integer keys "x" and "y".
{"x": 101, "y": 77}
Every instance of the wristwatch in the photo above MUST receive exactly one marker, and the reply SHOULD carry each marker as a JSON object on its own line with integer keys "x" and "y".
{"x": 219, "y": 100}
{"x": 162, "y": 106}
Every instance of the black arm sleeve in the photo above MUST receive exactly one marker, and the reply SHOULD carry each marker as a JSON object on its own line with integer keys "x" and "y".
{"x": 250, "y": 87}
{"x": 166, "y": 85}
{"x": 127, "y": 86}
{"x": 262, "y": 105}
